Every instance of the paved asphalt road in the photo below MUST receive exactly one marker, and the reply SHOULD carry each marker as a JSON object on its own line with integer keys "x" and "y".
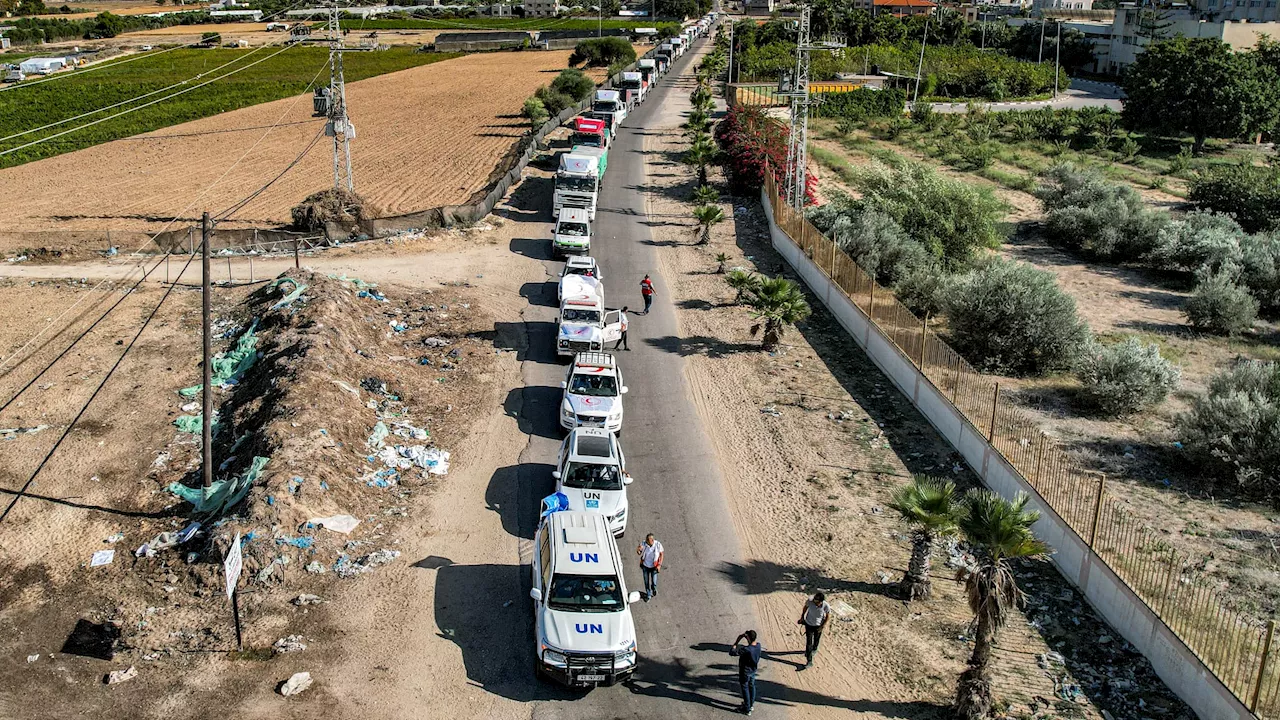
{"x": 685, "y": 671}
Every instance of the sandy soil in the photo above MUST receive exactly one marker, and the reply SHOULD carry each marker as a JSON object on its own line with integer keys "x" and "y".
{"x": 124, "y": 7}
{"x": 819, "y": 475}
{"x": 428, "y": 136}
{"x": 1233, "y": 541}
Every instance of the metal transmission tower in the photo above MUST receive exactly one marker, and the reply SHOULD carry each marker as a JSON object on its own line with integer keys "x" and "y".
{"x": 333, "y": 102}
{"x": 798, "y": 92}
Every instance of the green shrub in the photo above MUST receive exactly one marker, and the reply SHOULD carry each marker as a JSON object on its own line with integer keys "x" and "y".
{"x": 1098, "y": 218}
{"x": 923, "y": 289}
{"x": 554, "y": 102}
{"x": 977, "y": 156}
{"x": 951, "y": 218}
{"x": 923, "y": 114}
{"x": 878, "y": 244}
{"x": 535, "y": 111}
{"x": 1233, "y": 430}
{"x": 1011, "y": 317}
{"x": 1196, "y": 240}
{"x": 1249, "y": 193}
{"x": 1129, "y": 149}
{"x": 861, "y": 104}
{"x": 574, "y": 83}
{"x": 603, "y": 52}
{"x": 1260, "y": 269}
{"x": 1126, "y": 377}
{"x": 1219, "y": 305}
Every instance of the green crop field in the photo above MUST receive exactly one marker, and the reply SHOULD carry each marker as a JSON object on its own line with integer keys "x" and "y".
{"x": 516, "y": 24}
{"x": 285, "y": 75}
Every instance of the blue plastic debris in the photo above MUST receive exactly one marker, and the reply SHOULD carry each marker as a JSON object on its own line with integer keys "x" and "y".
{"x": 324, "y": 485}
{"x": 295, "y": 482}
{"x": 271, "y": 499}
{"x": 1177, "y": 445}
{"x": 298, "y": 542}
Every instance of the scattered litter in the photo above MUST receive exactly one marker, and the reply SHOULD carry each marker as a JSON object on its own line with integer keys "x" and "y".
{"x": 295, "y": 483}
{"x": 883, "y": 577}
{"x": 224, "y": 494}
{"x": 843, "y": 610}
{"x": 338, "y": 523}
{"x": 11, "y": 433}
{"x": 379, "y": 434}
{"x": 346, "y": 387}
{"x": 373, "y": 294}
{"x": 102, "y": 557}
{"x": 296, "y": 684}
{"x": 298, "y": 289}
{"x": 230, "y": 366}
{"x": 771, "y": 410}
{"x": 115, "y": 538}
{"x": 433, "y": 460}
{"x": 434, "y": 341}
{"x": 347, "y": 568}
{"x": 840, "y": 417}
{"x": 166, "y": 540}
{"x": 304, "y": 543}
{"x": 292, "y": 643}
{"x": 119, "y": 676}
{"x": 396, "y": 511}
{"x": 111, "y": 251}
{"x": 191, "y": 407}
{"x": 305, "y": 599}
{"x": 162, "y": 459}
{"x": 397, "y": 326}
{"x": 33, "y": 658}
{"x": 315, "y": 567}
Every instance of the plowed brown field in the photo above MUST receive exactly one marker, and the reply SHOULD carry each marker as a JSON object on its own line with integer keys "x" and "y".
{"x": 427, "y": 136}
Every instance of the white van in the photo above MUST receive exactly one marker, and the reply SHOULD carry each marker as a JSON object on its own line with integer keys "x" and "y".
{"x": 583, "y": 631}
{"x": 572, "y": 235}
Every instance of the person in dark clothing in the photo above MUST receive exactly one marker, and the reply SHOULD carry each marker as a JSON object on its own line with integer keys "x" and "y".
{"x": 748, "y": 663}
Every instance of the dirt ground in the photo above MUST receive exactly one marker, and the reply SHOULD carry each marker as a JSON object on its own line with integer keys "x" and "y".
{"x": 1233, "y": 541}
{"x": 117, "y": 7}
{"x": 171, "y": 614}
{"x": 820, "y": 440}
{"x": 428, "y": 136}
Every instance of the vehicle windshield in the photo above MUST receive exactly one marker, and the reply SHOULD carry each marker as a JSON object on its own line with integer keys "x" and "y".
{"x": 594, "y": 385}
{"x": 607, "y": 107}
{"x": 585, "y": 593}
{"x": 576, "y": 184}
{"x": 585, "y": 476}
{"x": 574, "y": 315}
{"x": 587, "y": 139}
{"x": 631, "y": 84}
{"x": 579, "y": 270}
{"x": 572, "y": 228}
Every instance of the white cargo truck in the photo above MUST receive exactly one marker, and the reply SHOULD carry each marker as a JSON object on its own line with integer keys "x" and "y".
{"x": 577, "y": 184}
{"x": 610, "y": 102}
{"x": 583, "y": 632}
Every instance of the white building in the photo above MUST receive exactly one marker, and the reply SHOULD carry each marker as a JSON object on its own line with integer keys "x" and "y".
{"x": 41, "y": 66}
{"x": 243, "y": 15}
{"x": 1039, "y": 6}
{"x": 541, "y": 8}
{"x": 1251, "y": 10}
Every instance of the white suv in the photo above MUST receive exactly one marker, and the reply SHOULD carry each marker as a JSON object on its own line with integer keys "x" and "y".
{"x": 593, "y": 393}
{"x": 580, "y": 276}
{"x": 582, "y": 616}
{"x": 592, "y": 474}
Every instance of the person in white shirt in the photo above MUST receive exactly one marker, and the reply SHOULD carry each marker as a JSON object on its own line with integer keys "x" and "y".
{"x": 650, "y": 552}
{"x": 814, "y": 618}
{"x": 623, "y": 340}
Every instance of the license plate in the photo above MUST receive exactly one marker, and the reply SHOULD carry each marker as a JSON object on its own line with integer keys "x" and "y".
{"x": 591, "y": 678}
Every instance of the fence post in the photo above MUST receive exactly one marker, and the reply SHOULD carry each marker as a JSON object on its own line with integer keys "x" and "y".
{"x": 995, "y": 401}
{"x": 296, "y": 241}
{"x": 1262, "y": 665}
{"x": 251, "y": 264}
{"x": 833, "y": 262}
{"x": 1097, "y": 512}
{"x": 924, "y": 340}
{"x": 871, "y": 306}
{"x": 229, "y": 277}
{"x": 1035, "y": 477}
{"x": 955, "y": 387}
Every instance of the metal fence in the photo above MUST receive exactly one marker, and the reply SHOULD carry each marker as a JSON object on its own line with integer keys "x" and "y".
{"x": 1234, "y": 646}
{"x": 765, "y": 93}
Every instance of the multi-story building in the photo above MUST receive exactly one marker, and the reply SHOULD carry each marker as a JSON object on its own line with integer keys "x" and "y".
{"x": 901, "y": 8}
{"x": 1238, "y": 10}
{"x": 541, "y": 8}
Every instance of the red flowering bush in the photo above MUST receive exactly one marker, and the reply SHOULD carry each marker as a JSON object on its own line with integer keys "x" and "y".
{"x": 750, "y": 142}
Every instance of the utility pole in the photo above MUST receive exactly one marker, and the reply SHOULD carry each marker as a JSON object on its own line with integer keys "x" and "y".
{"x": 600, "y": 19}
{"x": 1057, "y": 58}
{"x": 1042, "y": 23}
{"x": 798, "y": 147}
{"x": 206, "y": 393}
{"x": 731, "y": 51}
{"x": 924, "y": 40}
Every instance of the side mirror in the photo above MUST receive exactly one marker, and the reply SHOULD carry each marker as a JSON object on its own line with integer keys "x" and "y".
{"x": 563, "y": 384}
{"x": 627, "y": 479}
{"x": 624, "y": 389}
{"x": 555, "y": 474}
{"x": 536, "y": 594}
{"x": 632, "y": 597}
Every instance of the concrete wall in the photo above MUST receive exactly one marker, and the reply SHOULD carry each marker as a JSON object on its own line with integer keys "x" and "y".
{"x": 1176, "y": 665}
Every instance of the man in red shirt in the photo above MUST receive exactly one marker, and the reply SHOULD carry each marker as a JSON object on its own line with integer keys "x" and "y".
{"x": 646, "y": 291}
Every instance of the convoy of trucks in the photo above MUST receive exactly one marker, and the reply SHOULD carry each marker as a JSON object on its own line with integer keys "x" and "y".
{"x": 584, "y": 632}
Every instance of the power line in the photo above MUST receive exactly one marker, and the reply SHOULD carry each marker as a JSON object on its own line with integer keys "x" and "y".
{"x": 140, "y": 107}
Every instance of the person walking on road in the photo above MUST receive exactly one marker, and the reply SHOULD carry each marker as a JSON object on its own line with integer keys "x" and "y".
{"x": 814, "y": 618}
{"x": 623, "y": 340}
{"x": 646, "y": 292}
{"x": 748, "y": 663}
{"x": 650, "y": 552}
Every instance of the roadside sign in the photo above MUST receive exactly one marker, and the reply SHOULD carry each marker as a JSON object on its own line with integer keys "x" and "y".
{"x": 232, "y": 565}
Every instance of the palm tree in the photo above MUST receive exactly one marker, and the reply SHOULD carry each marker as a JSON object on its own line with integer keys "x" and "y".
{"x": 999, "y": 531}
{"x": 930, "y": 506}
{"x": 705, "y": 195}
{"x": 701, "y": 153}
{"x": 743, "y": 281}
{"x": 721, "y": 259}
{"x": 775, "y": 304}
{"x": 707, "y": 216}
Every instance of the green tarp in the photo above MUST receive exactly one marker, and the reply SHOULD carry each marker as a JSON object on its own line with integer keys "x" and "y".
{"x": 231, "y": 365}
{"x": 223, "y": 494}
{"x": 298, "y": 289}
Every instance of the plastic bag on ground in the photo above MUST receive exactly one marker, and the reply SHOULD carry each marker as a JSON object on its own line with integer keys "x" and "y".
{"x": 232, "y": 365}
{"x": 337, "y": 523}
{"x": 298, "y": 289}
{"x": 223, "y": 494}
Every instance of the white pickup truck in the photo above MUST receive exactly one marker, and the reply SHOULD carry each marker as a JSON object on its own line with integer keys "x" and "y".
{"x": 583, "y": 631}
{"x": 585, "y": 324}
{"x": 592, "y": 474}
{"x": 593, "y": 393}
